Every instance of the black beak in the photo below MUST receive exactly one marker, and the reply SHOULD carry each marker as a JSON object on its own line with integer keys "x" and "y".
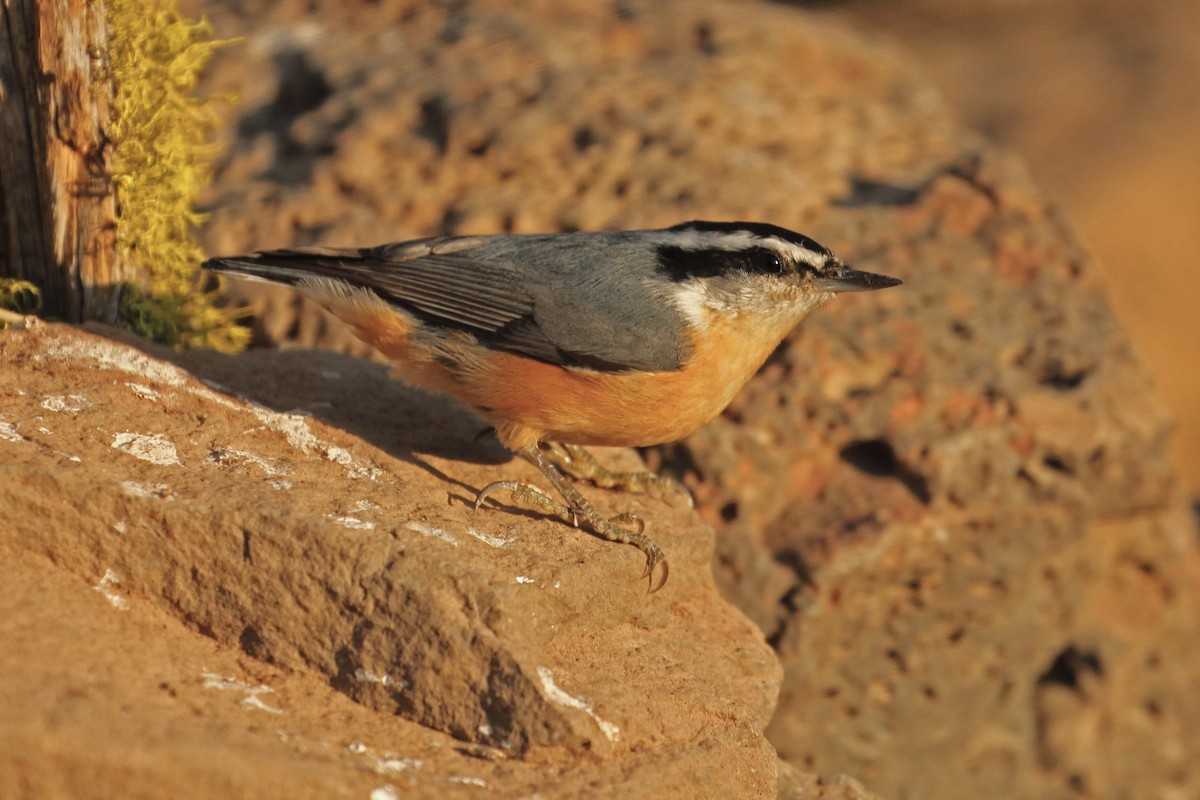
{"x": 837, "y": 277}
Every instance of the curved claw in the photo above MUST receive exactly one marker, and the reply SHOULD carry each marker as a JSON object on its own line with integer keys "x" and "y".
{"x": 496, "y": 486}
{"x": 666, "y": 489}
{"x": 530, "y": 495}
{"x": 654, "y": 557}
{"x": 627, "y": 528}
{"x": 631, "y": 518}
{"x": 688, "y": 497}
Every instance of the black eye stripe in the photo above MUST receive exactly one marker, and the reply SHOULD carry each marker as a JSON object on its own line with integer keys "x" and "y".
{"x": 679, "y": 263}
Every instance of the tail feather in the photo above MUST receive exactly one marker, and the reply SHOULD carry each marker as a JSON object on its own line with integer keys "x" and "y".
{"x": 288, "y": 266}
{"x": 334, "y": 279}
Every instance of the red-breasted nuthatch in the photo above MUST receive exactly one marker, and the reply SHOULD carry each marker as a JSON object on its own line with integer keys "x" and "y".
{"x": 624, "y": 338}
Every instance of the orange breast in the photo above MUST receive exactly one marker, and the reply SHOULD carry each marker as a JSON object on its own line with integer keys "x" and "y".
{"x": 622, "y": 409}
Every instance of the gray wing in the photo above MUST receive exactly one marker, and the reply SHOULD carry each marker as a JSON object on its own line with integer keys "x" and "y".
{"x": 568, "y": 299}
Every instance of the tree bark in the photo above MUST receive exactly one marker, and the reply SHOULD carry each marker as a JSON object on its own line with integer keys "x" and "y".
{"x": 57, "y": 206}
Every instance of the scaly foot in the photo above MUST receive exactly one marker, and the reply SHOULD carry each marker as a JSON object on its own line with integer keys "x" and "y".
{"x": 578, "y": 462}
{"x": 578, "y": 507}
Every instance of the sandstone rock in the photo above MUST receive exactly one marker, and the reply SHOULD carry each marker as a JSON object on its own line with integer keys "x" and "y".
{"x": 256, "y": 565}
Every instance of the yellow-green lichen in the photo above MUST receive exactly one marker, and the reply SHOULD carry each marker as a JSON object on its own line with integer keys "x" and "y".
{"x": 162, "y": 139}
{"x": 17, "y": 297}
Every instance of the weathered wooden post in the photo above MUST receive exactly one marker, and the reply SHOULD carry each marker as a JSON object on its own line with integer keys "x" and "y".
{"x": 57, "y": 206}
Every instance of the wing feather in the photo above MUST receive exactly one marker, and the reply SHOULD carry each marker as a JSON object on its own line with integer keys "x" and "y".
{"x": 547, "y": 299}
{"x": 449, "y": 288}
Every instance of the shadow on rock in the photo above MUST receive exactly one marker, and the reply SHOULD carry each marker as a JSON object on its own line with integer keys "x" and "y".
{"x": 357, "y": 396}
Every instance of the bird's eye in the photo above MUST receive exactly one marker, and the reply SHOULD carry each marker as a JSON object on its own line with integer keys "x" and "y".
{"x": 764, "y": 261}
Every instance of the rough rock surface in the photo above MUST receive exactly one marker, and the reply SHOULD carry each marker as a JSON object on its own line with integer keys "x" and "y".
{"x": 1052, "y": 75}
{"x": 967, "y": 482}
{"x": 257, "y": 565}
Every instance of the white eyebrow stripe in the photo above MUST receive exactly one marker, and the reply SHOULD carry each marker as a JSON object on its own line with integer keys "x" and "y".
{"x": 690, "y": 239}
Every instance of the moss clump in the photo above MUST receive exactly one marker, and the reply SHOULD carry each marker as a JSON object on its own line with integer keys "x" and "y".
{"x": 17, "y": 297}
{"x": 163, "y": 146}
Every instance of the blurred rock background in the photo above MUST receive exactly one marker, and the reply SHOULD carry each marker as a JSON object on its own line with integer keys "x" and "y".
{"x": 1102, "y": 99}
{"x": 947, "y": 507}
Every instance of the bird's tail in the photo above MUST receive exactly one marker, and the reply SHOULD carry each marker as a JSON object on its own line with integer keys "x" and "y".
{"x": 291, "y": 266}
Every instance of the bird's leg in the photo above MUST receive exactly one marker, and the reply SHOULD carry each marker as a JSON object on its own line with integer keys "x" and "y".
{"x": 578, "y": 507}
{"x": 578, "y": 463}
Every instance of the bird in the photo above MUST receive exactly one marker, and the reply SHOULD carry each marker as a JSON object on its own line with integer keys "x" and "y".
{"x": 561, "y": 341}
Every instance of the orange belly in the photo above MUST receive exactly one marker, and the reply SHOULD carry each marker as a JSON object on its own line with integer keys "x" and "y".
{"x": 628, "y": 409}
